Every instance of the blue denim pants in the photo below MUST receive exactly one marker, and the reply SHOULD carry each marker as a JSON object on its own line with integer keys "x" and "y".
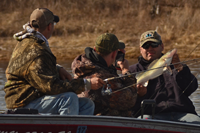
{"x": 63, "y": 104}
{"x": 175, "y": 116}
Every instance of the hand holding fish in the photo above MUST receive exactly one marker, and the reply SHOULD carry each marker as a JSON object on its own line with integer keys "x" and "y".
{"x": 156, "y": 68}
{"x": 175, "y": 61}
{"x": 141, "y": 90}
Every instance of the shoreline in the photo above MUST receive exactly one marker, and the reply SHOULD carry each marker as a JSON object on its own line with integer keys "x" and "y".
{"x": 68, "y": 48}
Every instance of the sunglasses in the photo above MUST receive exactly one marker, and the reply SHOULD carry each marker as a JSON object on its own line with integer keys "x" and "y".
{"x": 153, "y": 45}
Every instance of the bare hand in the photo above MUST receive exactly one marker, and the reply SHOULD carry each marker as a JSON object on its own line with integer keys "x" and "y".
{"x": 141, "y": 90}
{"x": 124, "y": 65}
{"x": 175, "y": 60}
{"x": 96, "y": 83}
{"x": 64, "y": 74}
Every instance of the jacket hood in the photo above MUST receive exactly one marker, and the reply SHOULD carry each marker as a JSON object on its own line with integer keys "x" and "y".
{"x": 94, "y": 57}
{"x": 86, "y": 63}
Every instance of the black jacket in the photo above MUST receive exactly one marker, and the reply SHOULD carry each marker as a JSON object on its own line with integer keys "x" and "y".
{"x": 170, "y": 91}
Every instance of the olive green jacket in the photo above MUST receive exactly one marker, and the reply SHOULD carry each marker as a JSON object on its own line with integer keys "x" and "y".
{"x": 32, "y": 73}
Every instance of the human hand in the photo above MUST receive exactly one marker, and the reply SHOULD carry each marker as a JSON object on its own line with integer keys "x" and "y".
{"x": 119, "y": 57}
{"x": 96, "y": 83}
{"x": 124, "y": 65}
{"x": 141, "y": 90}
{"x": 176, "y": 62}
{"x": 64, "y": 74}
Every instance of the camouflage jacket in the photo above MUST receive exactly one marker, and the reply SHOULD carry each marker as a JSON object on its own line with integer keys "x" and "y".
{"x": 32, "y": 73}
{"x": 116, "y": 104}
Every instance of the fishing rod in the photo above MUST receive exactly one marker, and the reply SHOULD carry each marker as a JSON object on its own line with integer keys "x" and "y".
{"x": 163, "y": 83}
{"x": 162, "y": 89}
{"x": 176, "y": 68}
{"x": 159, "y": 67}
{"x": 130, "y": 74}
{"x": 108, "y": 90}
{"x": 192, "y": 51}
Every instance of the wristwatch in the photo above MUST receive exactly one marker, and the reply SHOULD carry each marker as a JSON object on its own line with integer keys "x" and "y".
{"x": 85, "y": 83}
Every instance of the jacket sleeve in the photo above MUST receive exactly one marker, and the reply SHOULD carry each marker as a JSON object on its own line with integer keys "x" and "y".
{"x": 42, "y": 75}
{"x": 186, "y": 80}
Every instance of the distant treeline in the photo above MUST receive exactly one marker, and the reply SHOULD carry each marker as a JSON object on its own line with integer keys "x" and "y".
{"x": 173, "y": 18}
{"x": 81, "y": 21}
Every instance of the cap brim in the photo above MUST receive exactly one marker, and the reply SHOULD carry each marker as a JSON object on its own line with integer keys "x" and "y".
{"x": 121, "y": 45}
{"x": 56, "y": 19}
{"x": 149, "y": 40}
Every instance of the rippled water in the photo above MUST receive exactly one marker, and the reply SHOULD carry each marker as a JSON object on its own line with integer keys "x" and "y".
{"x": 3, "y": 66}
{"x": 67, "y": 65}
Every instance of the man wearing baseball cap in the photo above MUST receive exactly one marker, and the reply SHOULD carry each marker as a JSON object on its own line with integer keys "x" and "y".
{"x": 98, "y": 62}
{"x": 34, "y": 80}
{"x": 153, "y": 39}
{"x": 168, "y": 90}
{"x": 41, "y": 17}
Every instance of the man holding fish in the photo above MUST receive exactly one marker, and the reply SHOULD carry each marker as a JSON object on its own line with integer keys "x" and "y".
{"x": 169, "y": 85}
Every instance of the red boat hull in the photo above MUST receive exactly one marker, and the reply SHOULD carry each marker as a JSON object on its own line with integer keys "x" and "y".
{"x": 88, "y": 124}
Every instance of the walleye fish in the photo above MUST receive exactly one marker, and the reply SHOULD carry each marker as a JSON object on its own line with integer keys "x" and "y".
{"x": 156, "y": 68}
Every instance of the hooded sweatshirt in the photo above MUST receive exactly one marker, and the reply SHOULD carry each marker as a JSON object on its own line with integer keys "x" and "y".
{"x": 118, "y": 103}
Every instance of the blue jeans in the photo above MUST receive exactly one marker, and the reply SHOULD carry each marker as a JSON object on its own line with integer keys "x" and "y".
{"x": 175, "y": 116}
{"x": 63, "y": 104}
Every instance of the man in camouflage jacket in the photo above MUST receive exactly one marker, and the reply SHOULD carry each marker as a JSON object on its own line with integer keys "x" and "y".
{"x": 97, "y": 62}
{"x": 33, "y": 79}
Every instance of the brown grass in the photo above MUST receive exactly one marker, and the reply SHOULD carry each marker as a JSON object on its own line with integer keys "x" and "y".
{"x": 81, "y": 21}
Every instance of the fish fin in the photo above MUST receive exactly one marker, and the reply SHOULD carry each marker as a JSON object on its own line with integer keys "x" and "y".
{"x": 152, "y": 63}
{"x": 164, "y": 69}
{"x": 146, "y": 83}
{"x": 167, "y": 67}
{"x": 169, "y": 70}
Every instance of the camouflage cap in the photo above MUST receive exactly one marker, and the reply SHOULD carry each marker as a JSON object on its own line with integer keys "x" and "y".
{"x": 151, "y": 35}
{"x": 108, "y": 42}
{"x": 42, "y": 17}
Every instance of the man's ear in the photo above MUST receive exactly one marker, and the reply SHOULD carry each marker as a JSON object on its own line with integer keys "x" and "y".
{"x": 113, "y": 55}
{"x": 94, "y": 48}
{"x": 162, "y": 45}
{"x": 49, "y": 26}
{"x": 140, "y": 50}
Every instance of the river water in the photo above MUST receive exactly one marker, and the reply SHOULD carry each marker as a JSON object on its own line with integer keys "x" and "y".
{"x": 195, "y": 69}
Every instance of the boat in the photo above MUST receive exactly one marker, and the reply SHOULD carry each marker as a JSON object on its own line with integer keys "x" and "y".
{"x": 41, "y": 123}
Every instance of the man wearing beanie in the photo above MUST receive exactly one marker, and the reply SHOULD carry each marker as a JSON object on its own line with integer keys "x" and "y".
{"x": 171, "y": 90}
{"x": 34, "y": 80}
{"x": 98, "y": 62}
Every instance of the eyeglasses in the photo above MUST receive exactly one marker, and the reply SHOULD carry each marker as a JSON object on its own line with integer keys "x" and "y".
{"x": 153, "y": 45}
